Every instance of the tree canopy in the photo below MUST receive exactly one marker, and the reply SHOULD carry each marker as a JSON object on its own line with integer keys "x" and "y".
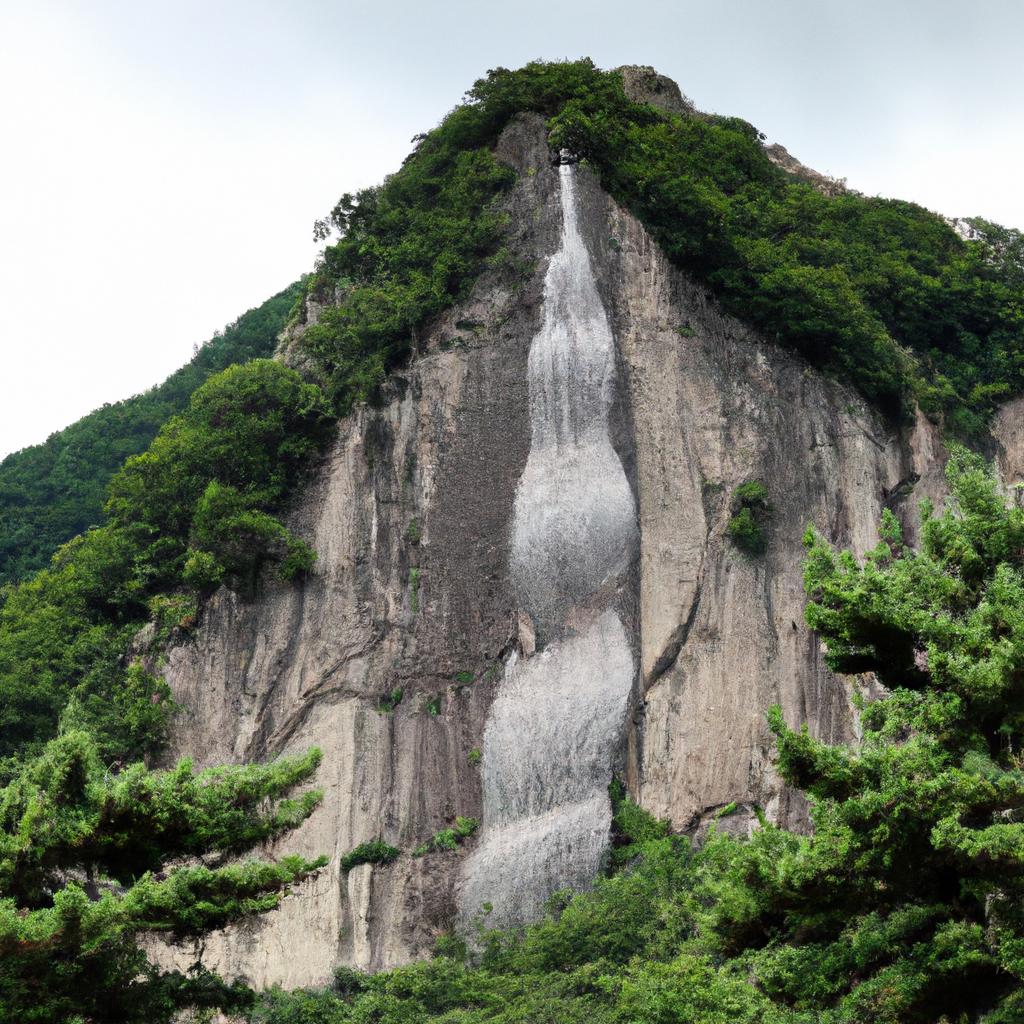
{"x": 53, "y": 491}
{"x": 879, "y": 292}
{"x": 90, "y": 859}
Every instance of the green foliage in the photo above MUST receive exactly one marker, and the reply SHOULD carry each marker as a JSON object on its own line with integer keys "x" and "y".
{"x": 750, "y": 514}
{"x": 62, "y": 636}
{"x": 170, "y": 612}
{"x": 374, "y": 852}
{"x": 390, "y": 702}
{"x": 237, "y": 540}
{"x": 84, "y": 868}
{"x": 212, "y": 473}
{"x": 414, "y": 590}
{"x": 194, "y": 510}
{"x": 916, "y": 864}
{"x": 51, "y": 492}
{"x": 632, "y": 826}
{"x": 905, "y": 903}
{"x": 448, "y": 839}
{"x": 879, "y": 292}
{"x": 130, "y": 717}
{"x": 409, "y": 248}
{"x": 202, "y": 571}
{"x": 903, "y": 907}
{"x": 86, "y": 844}
{"x": 413, "y": 532}
{"x": 474, "y": 757}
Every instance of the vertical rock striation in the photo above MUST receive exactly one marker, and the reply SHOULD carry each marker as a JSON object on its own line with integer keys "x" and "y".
{"x": 557, "y": 720}
{"x": 509, "y": 444}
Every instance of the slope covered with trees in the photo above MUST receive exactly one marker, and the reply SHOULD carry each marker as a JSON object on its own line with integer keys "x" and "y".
{"x": 879, "y": 292}
{"x": 95, "y": 849}
{"x": 53, "y": 491}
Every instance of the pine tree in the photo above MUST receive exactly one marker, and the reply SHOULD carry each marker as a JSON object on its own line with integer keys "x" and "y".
{"x": 90, "y": 860}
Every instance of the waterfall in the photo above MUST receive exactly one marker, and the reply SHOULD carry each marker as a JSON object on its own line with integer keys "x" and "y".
{"x": 558, "y": 717}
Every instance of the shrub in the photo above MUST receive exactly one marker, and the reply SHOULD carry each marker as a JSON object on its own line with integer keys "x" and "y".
{"x": 750, "y": 514}
{"x": 448, "y": 838}
{"x": 414, "y": 590}
{"x": 390, "y": 702}
{"x": 632, "y": 826}
{"x": 374, "y": 852}
{"x": 202, "y": 571}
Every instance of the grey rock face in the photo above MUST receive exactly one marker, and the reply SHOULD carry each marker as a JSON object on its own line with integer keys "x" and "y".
{"x": 411, "y": 514}
{"x": 643, "y": 84}
{"x": 781, "y": 157}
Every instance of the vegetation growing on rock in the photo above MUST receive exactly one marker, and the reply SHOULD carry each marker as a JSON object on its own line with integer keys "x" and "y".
{"x": 376, "y": 851}
{"x": 879, "y": 292}
{"x": 750, "y": 514}
{"x": 448, "y": 839}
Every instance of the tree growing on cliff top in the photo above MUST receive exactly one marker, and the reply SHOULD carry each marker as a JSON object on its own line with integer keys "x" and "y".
{"x": 84, "y": 869}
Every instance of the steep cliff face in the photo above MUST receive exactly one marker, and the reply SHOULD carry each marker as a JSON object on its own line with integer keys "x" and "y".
{"x": 413, "y": 515}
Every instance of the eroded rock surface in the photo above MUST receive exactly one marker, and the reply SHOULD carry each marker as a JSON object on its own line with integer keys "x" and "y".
{"x": 411, "y": 515}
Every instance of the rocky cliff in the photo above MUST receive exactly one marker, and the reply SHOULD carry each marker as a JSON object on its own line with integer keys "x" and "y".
{"x": 413, "y": 515}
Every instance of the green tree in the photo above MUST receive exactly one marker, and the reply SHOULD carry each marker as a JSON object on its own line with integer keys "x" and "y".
{"x": 881, "y": 293}
{"x": 52, "y": 491}
{"x": 903, "y": 907}
{"x": 194, "y": 510}
{"x": 90, "y": 860}
{"x": 906, "y": 902}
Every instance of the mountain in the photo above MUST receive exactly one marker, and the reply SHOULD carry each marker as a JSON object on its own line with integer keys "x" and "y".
{"x": 525, "y": 545}
{"x": 53, "y": 491}
{"x": 422, "y": 659}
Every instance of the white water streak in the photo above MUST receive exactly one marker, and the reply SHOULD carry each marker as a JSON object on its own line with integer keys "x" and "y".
{"x": 553, "y": 729}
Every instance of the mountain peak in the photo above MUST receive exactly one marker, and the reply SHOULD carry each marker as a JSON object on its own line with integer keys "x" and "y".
{"x": 644, "y": 85}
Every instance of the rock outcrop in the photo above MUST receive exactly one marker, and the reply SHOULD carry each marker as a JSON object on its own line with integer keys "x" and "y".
{"x": 781, "y": 157}
{"x": 411, "y": 514}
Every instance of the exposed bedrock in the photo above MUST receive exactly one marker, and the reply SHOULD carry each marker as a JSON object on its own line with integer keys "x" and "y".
{"x": 413, "y": 514}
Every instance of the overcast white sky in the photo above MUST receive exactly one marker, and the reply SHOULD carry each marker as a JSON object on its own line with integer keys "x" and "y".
{"x": 162, "y": 163}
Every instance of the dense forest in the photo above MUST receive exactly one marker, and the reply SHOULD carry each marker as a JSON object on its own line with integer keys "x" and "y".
{"x": 904, "y": 906}
{"x": 53, "y": 491}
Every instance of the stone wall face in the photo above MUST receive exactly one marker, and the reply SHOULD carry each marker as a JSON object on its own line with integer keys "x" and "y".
{"x": 410, "y": 514}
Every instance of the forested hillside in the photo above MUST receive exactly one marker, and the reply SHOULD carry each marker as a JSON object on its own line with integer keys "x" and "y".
{"x": 879, "y": 292}
{"x": 52, "y": 491}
